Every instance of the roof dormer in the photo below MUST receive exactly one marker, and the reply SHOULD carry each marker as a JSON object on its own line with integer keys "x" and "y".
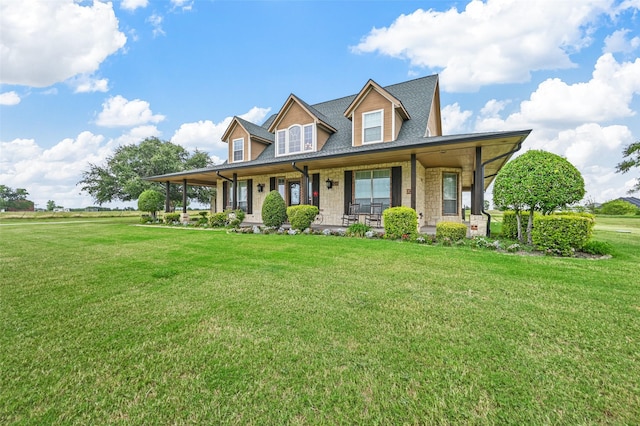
{"x": 376, "y": 115}
{"x": 299, "y": 128}
{"x": 246, "y": 140}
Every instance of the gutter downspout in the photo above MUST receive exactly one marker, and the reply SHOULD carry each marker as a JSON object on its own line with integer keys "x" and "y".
{"x": 513, "y": 151}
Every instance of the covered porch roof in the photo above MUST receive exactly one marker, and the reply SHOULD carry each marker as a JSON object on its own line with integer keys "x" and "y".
{"x": 457, "y": 151}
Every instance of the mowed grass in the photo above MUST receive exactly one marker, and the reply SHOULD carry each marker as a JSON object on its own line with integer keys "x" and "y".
{"x": 109, "y": 323}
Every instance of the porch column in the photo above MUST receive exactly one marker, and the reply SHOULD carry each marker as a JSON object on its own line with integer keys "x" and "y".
{"x": 477, "y": 221}
{"x": 167, "y": 198}
{"x": 477, "y": 192}
{"x": 413, "y": 181}
{"x": 184, "y": 216}
{"x": 234, "y": 205}
{"x": 304, "y": 191}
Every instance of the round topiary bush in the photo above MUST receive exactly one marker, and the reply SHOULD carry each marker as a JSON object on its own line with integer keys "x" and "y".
{"x": 150, "y": 201}
{"x": 400, "y": 223}
{"x": 453, "y": 231}
{"x": 274, "y": 210}
{"x": 301, "y": 217}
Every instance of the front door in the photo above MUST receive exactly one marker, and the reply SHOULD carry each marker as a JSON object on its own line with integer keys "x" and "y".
{"x": 294, "y": 192}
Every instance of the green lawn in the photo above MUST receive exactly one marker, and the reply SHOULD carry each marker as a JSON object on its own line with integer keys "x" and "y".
{"x": 105, "y": 322}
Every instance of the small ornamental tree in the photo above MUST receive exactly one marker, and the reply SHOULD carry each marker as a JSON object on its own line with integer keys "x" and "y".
{"x": 632, "y": 160}
{"x": 150, "y": 201}
{"x": 274, "y": 210}
{"x": 537, "y": 181}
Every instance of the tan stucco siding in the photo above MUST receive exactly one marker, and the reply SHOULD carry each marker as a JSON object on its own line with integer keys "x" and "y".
{"x": 433, "y": 192}
{"x": 373, "y": 101}
{"x": 238, "y": 133}
{"x": 256, "y": 149}
{"x": 322, "y": 137}
{"x": 295, "y": 115}
{"x": 433, "y": 124}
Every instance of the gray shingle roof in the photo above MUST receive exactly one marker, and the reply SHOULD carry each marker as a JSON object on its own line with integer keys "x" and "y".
{"x": 255, "y": 130}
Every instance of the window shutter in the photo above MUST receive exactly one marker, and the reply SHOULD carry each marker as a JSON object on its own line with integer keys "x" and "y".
{"x": 225, "y": 195}
{"x": 396, "y": 186}
{"x": 315, "y": 189}
{"x": 348, "y": 189}
{"x": 272, "y": 184}
{"x": 250, "y": 196}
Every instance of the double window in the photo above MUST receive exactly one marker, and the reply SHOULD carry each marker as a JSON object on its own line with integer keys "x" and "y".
{"x": 295, "y": 139}
{"x": 450, "y": 194}
{"x": 238, "y": 150}
{"x": 372, "y": 130}
{"x": 242, "y": 195}
{"x": 372, "y": 186}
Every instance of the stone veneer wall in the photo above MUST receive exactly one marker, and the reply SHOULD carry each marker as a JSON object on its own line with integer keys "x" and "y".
{"x": 428, "y": 192}
{"x": 433, "y": 192}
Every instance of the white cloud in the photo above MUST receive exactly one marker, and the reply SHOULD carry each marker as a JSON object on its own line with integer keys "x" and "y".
{"x": 556, "y": 104}
{"x": 136, "y": 135}
{"x": 132, "y": 5}
{"x": 9, "y": 98}
{"x": 45, "y": 42}
{"x": 618, "y": 42}
{"x": 482, "y": 44}
{"x": 87, "y": 84}
{"x": 120, "y": 112}
{"x": 185, "y": 5}
{"x": 206, "y": 135}
{"x": 454, "y": 120}
{"x": 156, "y": 22}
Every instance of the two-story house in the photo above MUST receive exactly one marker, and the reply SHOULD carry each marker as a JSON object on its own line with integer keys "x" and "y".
{"x": 381, "y": 145}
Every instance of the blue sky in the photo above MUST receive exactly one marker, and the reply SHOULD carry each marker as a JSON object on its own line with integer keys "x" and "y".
{"x": 79, "y": 78}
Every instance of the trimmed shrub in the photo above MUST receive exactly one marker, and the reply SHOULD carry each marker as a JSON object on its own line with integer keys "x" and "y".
{"x": 218, "y": 220}
{"x": 561, "y": 234}
{"x": 171, "y": 217}
{"x": 598, "y": 248}
{"x": 150, "y": 201}
{"x": 358, "y": 230}
{"x": 452, "y": 231}
{"x": 146, "y": 218}
{"x": 234, "y": 218}
{"x": 274, "y": 210}
{"x": 400, "y": 222}
{"x": 301, "y": 217}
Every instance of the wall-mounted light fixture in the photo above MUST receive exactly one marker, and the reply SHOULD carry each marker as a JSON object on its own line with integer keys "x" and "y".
{"x": 329, "y": 183}
{"x": 260, "y": 187}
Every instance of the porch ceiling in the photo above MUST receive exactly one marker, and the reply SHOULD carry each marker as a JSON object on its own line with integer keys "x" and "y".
{"x": 455, "y": 155}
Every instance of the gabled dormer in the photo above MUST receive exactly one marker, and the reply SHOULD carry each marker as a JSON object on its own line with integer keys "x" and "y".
{"x": 246, "y": 140}
{"x": 376, "y": 115}
{"x": 299, "y": 128}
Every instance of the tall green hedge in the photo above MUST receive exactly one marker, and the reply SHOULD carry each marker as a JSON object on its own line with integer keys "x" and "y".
{"x": 561, "y": 234}
{"x": 510, "y": 224}
{"x": 400, "y": 222}
{"x": 301, "y": 217}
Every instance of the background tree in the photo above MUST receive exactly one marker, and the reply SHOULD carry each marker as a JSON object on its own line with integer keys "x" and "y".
{"x": 51, "y": 205}
{"x": 150, "y": 201}
{"x": 121, "y": 179}
{"x": 537, "y": 181}
{"x": 14, "y": 199}
{"x": 632, "y": 155}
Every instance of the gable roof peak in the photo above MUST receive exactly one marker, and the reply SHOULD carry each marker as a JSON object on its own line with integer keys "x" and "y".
{"x": 372, "y": 85}
{"x": 318, "y": 116}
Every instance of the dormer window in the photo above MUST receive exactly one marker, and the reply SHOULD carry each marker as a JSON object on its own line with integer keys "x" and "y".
{"x": 372, "y": 126}
{"x": 238, "y": 150}
{"x": 296, "y": 139}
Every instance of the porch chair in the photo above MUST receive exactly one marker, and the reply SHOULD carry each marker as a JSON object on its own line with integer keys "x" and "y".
{"x": 375, "y": 216}
{"x": 353, "y": 216}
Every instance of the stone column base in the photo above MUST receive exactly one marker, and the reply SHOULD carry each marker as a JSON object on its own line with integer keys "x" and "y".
{"x": 477, "y": 225}
{"x": 184, "y": 218}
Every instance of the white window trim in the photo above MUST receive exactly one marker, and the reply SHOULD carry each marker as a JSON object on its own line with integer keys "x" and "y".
{"x": 233, "y": 150}
{"x": 381, "y": 111}
{"x": 286, "y": 152}
{"x": 457, "y": 213}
